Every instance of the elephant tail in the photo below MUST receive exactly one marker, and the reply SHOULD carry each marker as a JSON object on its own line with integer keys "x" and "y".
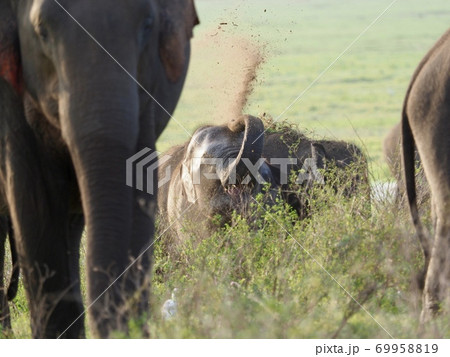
{"x": 14, "y": 281}
{"x": 408, "y": 146}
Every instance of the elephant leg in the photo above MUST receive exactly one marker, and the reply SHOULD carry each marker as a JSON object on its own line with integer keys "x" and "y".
{"x": 37, "y": 190}
{"x": 437, "y": 282}
{"x": 76, "y": 227}
{"x": 5, "y": 320}
{"x": 49, "y": 256}
{"x": 141, "y": 249}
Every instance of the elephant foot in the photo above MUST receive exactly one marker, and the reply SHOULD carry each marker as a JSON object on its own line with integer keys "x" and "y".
{"x": 430, "y": 309}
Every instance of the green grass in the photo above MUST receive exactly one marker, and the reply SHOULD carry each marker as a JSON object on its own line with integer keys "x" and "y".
{"x": 292, "y": 275}
{"x": 284, "y": 278}
{"x": 283, "y": 291}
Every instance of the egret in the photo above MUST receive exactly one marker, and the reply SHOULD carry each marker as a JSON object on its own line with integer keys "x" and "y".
{"x": 169, "y": 308}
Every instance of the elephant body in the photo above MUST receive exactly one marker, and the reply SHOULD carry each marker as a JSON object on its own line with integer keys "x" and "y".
{"x": 85, "y": 86}
{"x": 208, "y": 204}
{"x": 426, "y": 126}
{"x": 192, "y": 197}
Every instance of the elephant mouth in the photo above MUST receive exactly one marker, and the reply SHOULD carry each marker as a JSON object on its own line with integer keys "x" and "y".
{"x": 238, "y": 195}
{"x": 234, "y": 191}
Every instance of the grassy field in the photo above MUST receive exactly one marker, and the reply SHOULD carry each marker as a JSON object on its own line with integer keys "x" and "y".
{"x": 358, "y": 99}
{"x": 291, "y": 279}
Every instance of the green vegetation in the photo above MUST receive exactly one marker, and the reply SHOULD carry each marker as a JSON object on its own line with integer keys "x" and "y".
{"x": 283, "y": 278}
{"x": 278, "y": 277}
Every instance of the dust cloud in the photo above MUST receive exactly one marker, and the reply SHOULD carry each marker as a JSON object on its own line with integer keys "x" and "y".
{"x": 227, "y": 73}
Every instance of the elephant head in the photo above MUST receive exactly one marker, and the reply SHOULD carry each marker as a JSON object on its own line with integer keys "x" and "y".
{"x": 99, "y": 82}
{"x": 216, "y": 170}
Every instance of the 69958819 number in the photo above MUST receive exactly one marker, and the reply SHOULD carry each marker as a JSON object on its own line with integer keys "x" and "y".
{"x": 406, "y": 348}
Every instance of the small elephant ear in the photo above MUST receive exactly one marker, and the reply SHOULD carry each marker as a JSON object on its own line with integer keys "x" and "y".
{"x": 317, "y": 161}
{"x": 178, "y": 19}
{"x": 10, "y": 63}
{"x": 188, "y": 182}
{"x": 318, "y": 154}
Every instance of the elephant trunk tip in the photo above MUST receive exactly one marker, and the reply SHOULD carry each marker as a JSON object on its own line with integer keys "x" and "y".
{"x": 237, "y": 125}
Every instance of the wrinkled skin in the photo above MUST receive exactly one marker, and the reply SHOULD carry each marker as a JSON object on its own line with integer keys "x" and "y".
{"x": 392, "y": 149}
{"x": 77, "y": 118}
{"x": 201, "y": 201}
{"x": 425, "y": 125}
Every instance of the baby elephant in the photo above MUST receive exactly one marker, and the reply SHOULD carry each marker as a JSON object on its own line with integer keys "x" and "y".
{"x": 222, "y": 168}
{"x": 209, "y": 176}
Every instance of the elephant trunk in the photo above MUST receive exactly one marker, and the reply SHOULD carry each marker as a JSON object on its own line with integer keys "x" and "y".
{"x": 101, "y": 132}
{"x": 251, "y": 148}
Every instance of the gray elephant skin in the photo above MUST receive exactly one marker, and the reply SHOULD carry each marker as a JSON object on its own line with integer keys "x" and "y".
{"x": 426, "y": 125}
{"x": 201, "y": 201}
{"x": 76, "y": 114}
{"x": 208, "y": 204}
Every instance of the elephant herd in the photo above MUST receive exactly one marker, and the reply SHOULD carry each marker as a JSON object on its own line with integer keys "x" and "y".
{"x": 79, "y": 98}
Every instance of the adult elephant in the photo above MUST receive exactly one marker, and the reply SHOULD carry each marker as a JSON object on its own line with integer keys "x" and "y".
{"x": 91, "y": 80}
{"x": 426, "y": 124}
{"x": 7, "y": 292}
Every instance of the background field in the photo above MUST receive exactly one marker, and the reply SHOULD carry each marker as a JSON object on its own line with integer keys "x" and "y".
{"x": 358, "y": 99}
{"x": 277, "y": 289}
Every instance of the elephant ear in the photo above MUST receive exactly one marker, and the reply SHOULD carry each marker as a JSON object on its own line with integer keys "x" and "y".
{"x": 188, "y": 182}
{"x": 178, "y": 18}
{"x": 311, "y": 165}
{"x": 10, "y": 63}
{"x": 318, "y": 154}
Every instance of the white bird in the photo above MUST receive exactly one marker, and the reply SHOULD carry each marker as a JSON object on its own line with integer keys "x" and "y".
{"x": 169, "y": 308}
